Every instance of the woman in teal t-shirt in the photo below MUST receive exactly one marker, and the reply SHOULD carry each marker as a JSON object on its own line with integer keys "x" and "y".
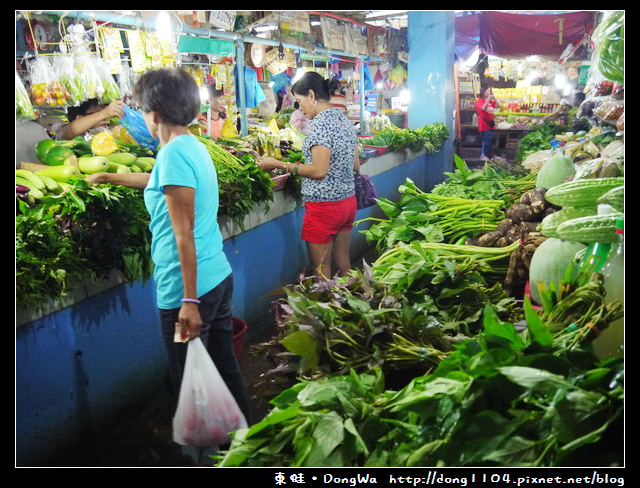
{"x": 193, "y": 277}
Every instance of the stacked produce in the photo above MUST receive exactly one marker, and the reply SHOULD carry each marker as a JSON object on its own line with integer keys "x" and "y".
{"x": 61, "y": 162}
{"x": 406, "y": 314}
{"x": 68, "y": 238}
{"x": 496, "y": 180}
{"x": 242, "y": 184}
{"x": 435, "y": 218}
{"x": 424, "y": 293}
{"x": 507, "y": 398}
{"x": 575, "y": 226}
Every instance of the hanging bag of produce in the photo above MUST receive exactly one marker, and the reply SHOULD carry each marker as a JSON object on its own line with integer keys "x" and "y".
{"x": 207, "y": 412}
{"x": 134, "y": 123}
{"x": 365, "y": 191}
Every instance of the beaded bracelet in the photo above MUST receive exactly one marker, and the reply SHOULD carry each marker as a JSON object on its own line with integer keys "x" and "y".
{"x": 190, "y": 300}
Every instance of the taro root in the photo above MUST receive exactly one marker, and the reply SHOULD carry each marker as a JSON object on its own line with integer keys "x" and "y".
{"x": 520, "y": 212}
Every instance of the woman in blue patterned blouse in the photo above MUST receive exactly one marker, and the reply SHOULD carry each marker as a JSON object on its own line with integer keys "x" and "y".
{"x": 328, "y": 192}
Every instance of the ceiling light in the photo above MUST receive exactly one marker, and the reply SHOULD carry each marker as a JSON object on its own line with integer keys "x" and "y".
{"x": 163, "y": 26}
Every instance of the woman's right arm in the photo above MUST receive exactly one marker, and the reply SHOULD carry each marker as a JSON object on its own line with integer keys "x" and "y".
{"x": 316, "y": 169}
{"x": 137, "y": 181}
{"x": 82, "y": 124}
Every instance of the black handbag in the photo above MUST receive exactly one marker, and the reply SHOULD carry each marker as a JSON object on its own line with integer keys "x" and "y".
{"x": 365, "y": 191}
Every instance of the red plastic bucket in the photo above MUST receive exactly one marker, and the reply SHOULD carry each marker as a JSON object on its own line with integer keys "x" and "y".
{"x": 239, "y": 330}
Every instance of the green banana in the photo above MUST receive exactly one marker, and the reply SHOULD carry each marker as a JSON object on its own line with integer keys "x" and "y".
{"x": 35, "y": 180}
{"x": 50, "y": 184}
{"x": 33, "y": 191}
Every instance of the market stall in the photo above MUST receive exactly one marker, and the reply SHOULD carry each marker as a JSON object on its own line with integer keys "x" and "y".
{"x": 469, "y": 309}
{"x": 107, "y": 276}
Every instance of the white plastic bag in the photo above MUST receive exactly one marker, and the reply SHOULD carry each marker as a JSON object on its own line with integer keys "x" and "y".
{"x": 207, "y": 412}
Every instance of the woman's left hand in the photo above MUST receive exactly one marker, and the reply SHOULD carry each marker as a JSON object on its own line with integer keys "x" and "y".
{"x": 190, "y": 321}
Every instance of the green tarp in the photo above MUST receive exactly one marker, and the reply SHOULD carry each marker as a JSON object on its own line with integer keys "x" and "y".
{"x": 205, "y": 45}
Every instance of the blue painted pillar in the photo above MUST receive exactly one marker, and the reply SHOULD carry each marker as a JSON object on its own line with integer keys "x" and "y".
{"x": 431, "y": 39}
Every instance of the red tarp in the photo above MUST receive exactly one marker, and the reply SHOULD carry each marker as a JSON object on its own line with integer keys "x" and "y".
{"x": 514, "y": 36}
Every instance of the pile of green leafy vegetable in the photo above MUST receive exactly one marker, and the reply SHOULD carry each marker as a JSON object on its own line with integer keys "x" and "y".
{"x": 403, "y": 315}
{"x": 242, "y": 185}
{"x": 430, "y": 137}
{"x": 80, "y": 235}
{"x": 432, "y": 217}
{"x": 538, "y": 139}
{"x": 508, "y": 398}
{"x": 492, "y": 182}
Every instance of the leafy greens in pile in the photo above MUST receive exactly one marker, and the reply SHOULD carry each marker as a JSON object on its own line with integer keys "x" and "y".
{"x": 508, "y": 398}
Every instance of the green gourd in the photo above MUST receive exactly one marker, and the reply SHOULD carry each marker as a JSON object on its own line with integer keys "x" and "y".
{"x": 580, "y": 193}
{"x": 549, "y": 225}
{"x": 555, "y": 171}
{"x": 550, "y": 263}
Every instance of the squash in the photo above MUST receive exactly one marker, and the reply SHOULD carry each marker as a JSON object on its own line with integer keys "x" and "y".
{"x": 93, "y": 164}
{"x": 550, "y": 263}
{"x": 58, "y": 155}
{"x": 555, "y": 171}
{"x": 63, "y": 172}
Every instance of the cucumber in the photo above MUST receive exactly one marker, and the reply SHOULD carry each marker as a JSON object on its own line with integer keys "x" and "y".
{"x": 582, "y": 192}
{"x": 614, "y": 197}
{"x": 35, "y": 180}
{"x": 594, "y": 228}
{"x": 549, "y": 225}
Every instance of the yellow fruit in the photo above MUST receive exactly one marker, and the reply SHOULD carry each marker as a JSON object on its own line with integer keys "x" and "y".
{"x": 103, "y": 144}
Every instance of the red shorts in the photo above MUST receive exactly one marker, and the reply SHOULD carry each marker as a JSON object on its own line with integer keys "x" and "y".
{"x": 323, "y": 220}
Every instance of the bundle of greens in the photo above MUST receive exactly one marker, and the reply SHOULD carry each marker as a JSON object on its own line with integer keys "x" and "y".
{"x": 80, "y": 235}
{"x": 429, "y": 137}
{"x": 492, "y": 182}
{"x": 404, "y": 315}
{"x": 538, "y": 139}
{"x": 432, "y": 217}
{"x": 505, "y": 399}
{"x": 242, "y": 184}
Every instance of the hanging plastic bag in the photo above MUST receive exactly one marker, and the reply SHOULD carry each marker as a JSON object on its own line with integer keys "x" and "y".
{"x": 24, "y": 107}
{"x": 207, "y": 412}
{"x": 137, "y": 127}
{"x": 365, "y": 191}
